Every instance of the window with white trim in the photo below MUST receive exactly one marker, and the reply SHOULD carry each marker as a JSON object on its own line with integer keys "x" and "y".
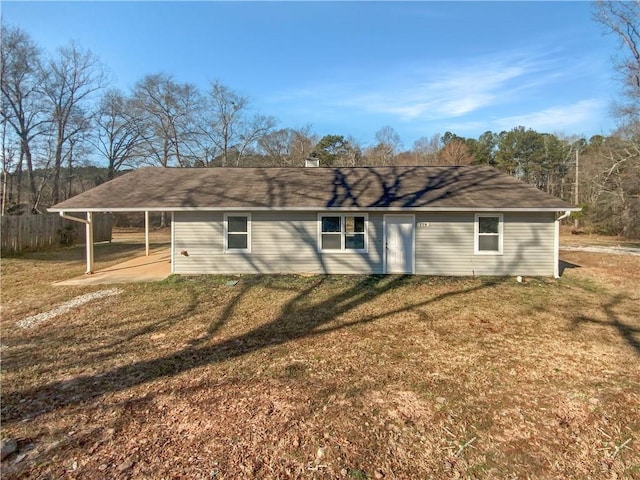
{"x": 237, "y": 232}
{"x": 340, "y": 232}
{"x": 488, "y": 234}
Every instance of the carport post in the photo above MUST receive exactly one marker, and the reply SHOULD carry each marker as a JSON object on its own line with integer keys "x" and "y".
{"x": 146, "y": 232}
{"x": 89, "y": 241}
{"x": 88, "y": 223}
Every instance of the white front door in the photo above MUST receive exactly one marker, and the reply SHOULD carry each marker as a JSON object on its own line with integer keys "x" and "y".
{"x": 398, "y": 235}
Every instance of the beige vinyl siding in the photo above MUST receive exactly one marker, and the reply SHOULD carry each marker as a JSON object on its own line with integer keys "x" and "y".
{"x": 287, "y": 242}
{"x": 281, "y": 242}
{"x": 446, "y": 245}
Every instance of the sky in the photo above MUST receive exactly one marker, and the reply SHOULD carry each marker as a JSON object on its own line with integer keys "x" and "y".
{"x": 351, "y": 68}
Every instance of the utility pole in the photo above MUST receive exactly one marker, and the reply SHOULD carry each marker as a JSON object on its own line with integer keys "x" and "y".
{"x": 575, "y": 200}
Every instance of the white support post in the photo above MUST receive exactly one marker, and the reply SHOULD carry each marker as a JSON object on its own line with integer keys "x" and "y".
{"x": 146, "y": 232}
{"x": 173, "y": 242}
{"x": 89, "y": 242}
{"x": 556, "y": 249}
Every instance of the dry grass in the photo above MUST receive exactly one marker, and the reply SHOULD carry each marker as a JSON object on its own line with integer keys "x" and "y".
{"x": 324, "y": 377}
{"x": 569, "y": 236}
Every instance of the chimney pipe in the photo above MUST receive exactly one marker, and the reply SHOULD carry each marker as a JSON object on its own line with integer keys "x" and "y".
{"x": 312, "y": 161}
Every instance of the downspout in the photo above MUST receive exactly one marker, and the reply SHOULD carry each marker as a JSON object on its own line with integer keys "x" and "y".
{"x": 146, "y": 232}
{"x": 556, "y": 244}
{"x": 88, "y": 236}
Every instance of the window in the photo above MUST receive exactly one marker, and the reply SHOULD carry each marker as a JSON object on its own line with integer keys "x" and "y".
{"x": 343, "y": 232}
{"x": 488, "y": 234}
{"x": 237, "y": 232}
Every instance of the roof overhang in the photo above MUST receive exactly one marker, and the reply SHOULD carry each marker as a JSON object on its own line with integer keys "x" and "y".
{"x": 314, "y": 209}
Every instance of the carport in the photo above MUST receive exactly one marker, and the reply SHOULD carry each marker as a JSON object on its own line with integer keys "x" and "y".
{"x": 89, "y": 233}
{"x": 153, "y": 267}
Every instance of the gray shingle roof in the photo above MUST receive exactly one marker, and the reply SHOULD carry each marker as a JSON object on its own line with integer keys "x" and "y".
{"x": 425, "y": 188}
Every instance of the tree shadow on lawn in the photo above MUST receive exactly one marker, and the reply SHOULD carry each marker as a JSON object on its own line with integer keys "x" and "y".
{"x": 34, "y": 342}
{"x": 298, "y": 318}
{"x": 630, "y": 334}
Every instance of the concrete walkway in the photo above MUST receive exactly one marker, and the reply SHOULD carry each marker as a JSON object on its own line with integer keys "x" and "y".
{"x": 155, "y": 267}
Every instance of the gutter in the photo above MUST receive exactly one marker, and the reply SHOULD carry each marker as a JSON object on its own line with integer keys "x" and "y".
{"x": 556, "y": 242}
{"x": 318, "y": 208}
{"x": 73, "y": 219}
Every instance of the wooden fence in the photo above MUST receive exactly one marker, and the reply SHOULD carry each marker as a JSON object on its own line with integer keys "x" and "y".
{"x": 37, "y": 232}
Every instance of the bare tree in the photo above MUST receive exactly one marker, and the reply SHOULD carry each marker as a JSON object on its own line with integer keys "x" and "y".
{"x": 387, "y": 147}
{"x": 118, "y": 131}
{"x": 426, "y": 149}
{"x": 288, "y": 147}
{"x": 611, "y": 189}
{"x": 277, "y": 146}
{"x": 7, "y": 165}
{"x": 23, "y": 106}
{"x": 71, "y": 77}
{"x": 167, "y": 113}
{"x": 611, "y": 165}
{"x": 229, "y": 127}
{"x": 253, "y": 129}
{"x": 303, "y": 141}
{"x": 623, "y": 19}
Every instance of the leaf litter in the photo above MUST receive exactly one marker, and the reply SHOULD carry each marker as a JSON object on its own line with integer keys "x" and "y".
{"x": 397, "y": 378}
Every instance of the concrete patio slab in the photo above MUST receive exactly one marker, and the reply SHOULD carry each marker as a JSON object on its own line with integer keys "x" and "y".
{"x": 155, "y": 267}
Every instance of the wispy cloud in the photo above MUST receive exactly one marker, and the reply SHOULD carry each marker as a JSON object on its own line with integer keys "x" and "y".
{"x": 442, "y": 91}
{"x": 534, "y": 89}
{"x": 445, "y": 94}
{"x": 557, "y": 117}
{"x": 572, "y": 117}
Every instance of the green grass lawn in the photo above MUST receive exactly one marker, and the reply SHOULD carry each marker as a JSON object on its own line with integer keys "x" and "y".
{"x": 322, "y": 376}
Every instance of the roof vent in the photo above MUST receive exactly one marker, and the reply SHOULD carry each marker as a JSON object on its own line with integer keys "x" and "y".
{"x": 312, "y": 161}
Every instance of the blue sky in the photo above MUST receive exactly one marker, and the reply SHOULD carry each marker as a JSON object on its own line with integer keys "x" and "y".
{"x": 351, "y": 68}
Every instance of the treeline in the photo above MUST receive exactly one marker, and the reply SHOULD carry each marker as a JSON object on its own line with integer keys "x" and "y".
{"x": 60, "y": 116}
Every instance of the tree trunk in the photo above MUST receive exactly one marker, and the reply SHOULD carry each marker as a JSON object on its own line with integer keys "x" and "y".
{"x": 70, "y": 173}
{"x": 5, "y": 184}
{"x": 110, "y": 169}
{"x": 55, "y": 191}
{"x": 55, "y": 194}
{"x": 18, "y": 180}
{"x": 32, "y": 180}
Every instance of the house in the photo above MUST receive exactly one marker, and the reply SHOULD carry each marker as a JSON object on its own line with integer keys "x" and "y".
{"x": 428, "y": 220}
